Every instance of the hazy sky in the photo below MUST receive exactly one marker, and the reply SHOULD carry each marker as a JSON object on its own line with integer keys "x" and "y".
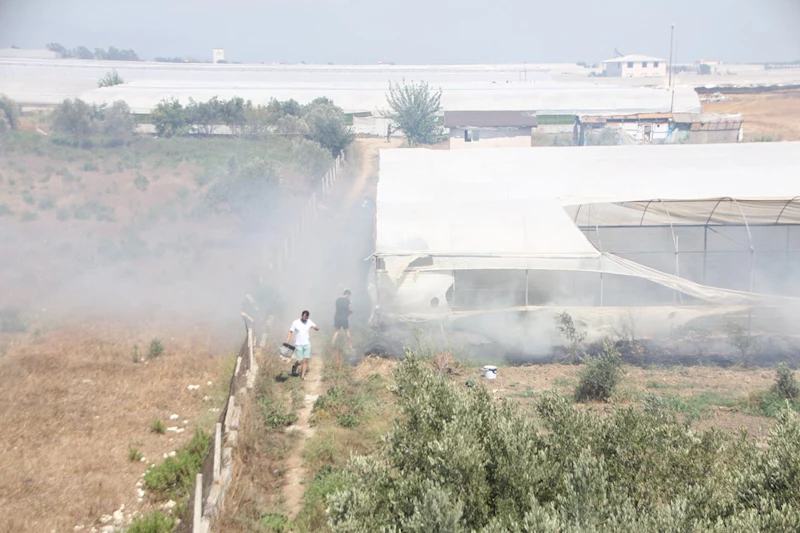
{"x": 412, "y": 31}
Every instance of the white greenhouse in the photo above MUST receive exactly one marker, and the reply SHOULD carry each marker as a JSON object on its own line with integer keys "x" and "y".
{"x": 672, "y": 232}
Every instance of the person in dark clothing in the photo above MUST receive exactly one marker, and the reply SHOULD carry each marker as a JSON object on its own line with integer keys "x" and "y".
{"x": 341, "y": 319}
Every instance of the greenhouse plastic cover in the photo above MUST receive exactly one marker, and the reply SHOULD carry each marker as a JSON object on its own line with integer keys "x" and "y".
{"x": 505, "y": 208}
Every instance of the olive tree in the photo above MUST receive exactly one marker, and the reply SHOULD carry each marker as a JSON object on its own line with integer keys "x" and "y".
{"x": 413, "y": 109}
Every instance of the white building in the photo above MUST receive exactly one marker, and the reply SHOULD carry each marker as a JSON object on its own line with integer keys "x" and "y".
{"x": 218, "y": 55}
{"x": 489, "y": 129}
{"x": 635, "y": 66}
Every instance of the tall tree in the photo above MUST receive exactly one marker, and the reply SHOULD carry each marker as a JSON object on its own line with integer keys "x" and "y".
{"x": 413, "y": 109}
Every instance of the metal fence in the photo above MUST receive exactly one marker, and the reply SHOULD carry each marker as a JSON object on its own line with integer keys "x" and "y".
{"x": 307, "y": 215}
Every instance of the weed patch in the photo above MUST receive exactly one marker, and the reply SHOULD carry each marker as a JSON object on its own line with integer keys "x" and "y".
{"x": 155, "y": 522}
{"x": 134, "y": 455}
{"x": 174, "y": 477}
{"x": 157, "y": 426}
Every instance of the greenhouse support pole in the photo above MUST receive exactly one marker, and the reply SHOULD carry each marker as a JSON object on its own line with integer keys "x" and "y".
{"x": 526, "y": 289}
{"x": 705, "y": 251}
{"x": 453, "y": 298}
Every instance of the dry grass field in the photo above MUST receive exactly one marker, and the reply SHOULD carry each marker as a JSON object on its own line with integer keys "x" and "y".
{"x": 76, "y": 403}
{"x": 767, "y": 116}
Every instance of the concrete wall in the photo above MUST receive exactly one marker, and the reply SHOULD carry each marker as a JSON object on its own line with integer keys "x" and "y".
{"x": 491, "y": 138}
{"x": 635, "y": 69}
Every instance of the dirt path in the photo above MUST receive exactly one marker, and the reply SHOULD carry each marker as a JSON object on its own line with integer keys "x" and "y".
{"x": 295, "y": 475}
{"x": 330, "y": 260}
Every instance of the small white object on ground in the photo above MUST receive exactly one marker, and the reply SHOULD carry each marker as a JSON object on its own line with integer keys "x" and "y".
{"x": 193, "y": 387}
{"x": 206, "y": 398}
{"x": 172, "y": 428}
{"x": 143, "y": 459}
{"x": 169, "y": 505}
{"x": 209, "y": 383}
{"x": 105, "y": 519}
{"x": 173, "y": 453}
{"x": 180, "y": 430}
{"x": 173, "y": 416}
{"x": 185, "y": 421}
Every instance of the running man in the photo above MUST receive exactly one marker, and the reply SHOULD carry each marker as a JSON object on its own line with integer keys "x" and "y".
{"x": 341, "y": 319}
{"x": 301, "y": 328}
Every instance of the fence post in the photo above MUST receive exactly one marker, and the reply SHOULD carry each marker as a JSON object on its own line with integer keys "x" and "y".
{"x": 229, "y": 414}
{"x": 217, "y": 451}
{"x": 251, "y": 348}
{"x": 197, "y": 522}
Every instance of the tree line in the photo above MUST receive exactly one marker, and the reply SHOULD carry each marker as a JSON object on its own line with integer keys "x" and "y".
{"x": 320, "y": 121}
{"x": 81, "y": 52}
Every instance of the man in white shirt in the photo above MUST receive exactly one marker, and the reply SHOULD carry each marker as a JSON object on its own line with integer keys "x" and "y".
{"x": 301, "y": 328}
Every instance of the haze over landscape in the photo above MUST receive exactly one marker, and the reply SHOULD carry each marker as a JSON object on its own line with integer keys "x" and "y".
{"x": 553, "y": 277}
{"x": 415, "y": 31}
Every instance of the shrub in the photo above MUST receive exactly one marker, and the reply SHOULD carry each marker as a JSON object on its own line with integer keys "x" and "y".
{"x": 156, "y": 348}
{"x": 457, "y": 460}
{"x": 170, "y": 118}
{"x": 155, "y": 522}
{"x": 141, "y": 182}
{"x": 90, "y": 166}
{"x": 740, "y": 338}
{"x": 786, "y": 385}
{"x": 28, "y": 198}
{"x": 76, "y": 119}
{"x": 118, "y": 125}
{"x": 134, "y": 455}
{"x": 10, "y": 111}
{"x": 174, "y": 477}
{"x": 62, "y": 214}
{"x": 600, "y": 376}
{"x": 275, "y": 523}
{"x": 5, "y": 210}
{"x": 157, "y": 426}
{"x": 274, "y": 413}
{"x": 111, "y": 78}
{"x": 29, "y": 217}
{"x": 566, "y": 326}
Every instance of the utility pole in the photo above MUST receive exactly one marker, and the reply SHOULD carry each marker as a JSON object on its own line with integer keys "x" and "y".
{"x": 671, "y": 69}
{"x": 671, "y": 35}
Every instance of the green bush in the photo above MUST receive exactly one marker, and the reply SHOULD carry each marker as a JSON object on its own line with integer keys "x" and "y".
{"x": 457, "y": 460}
{"x": 786, "y": 385}
{"x": 274, "y": 413}
{"x": 9, "y": 110}
{"x": 275, "y": 523}
{"x": 155, "y": 522}
{"x": 174, "y": 478}
{"x": 5, "y": 210}
{"x": 156, "y": 348}
{"x": 600, "y": 376}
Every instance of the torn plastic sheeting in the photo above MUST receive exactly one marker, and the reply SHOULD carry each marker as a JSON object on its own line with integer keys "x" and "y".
{"x": 416, "y": 291}
{"x": 396, "y": 265}
{"x": 608, "y": 264}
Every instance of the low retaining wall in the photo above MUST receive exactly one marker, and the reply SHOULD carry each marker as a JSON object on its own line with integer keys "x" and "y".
{"x": 205, "y": 503}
